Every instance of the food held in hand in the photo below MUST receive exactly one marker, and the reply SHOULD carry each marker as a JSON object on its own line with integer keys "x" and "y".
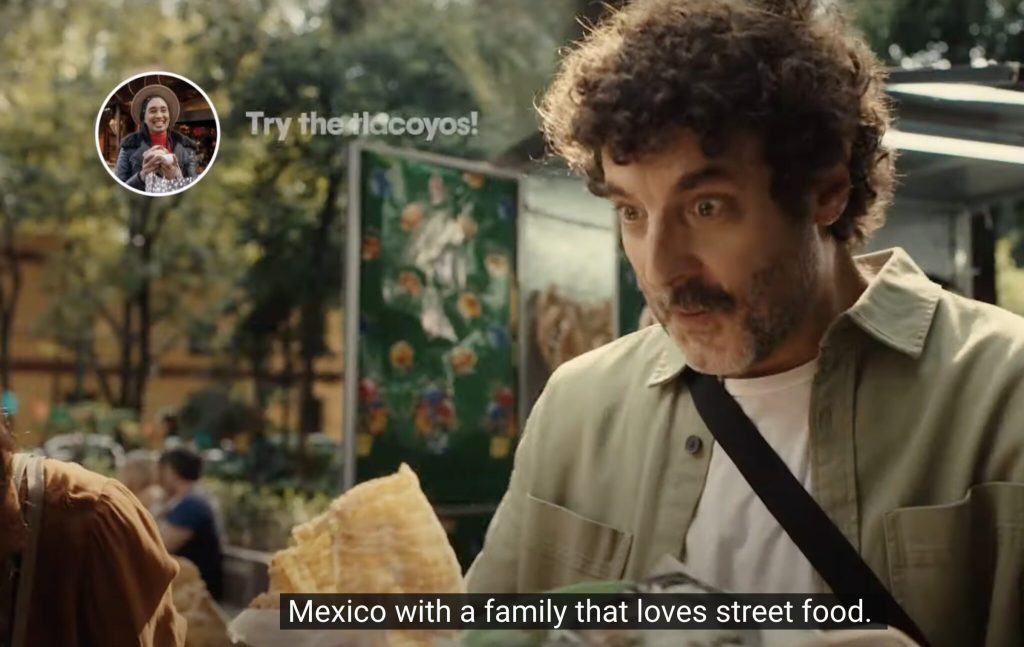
{"x": 207, "y": 626}
{"x": 382, "y": 536}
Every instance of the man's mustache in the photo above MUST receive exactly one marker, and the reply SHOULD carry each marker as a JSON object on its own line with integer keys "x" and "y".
{"x": 695, "y": 295}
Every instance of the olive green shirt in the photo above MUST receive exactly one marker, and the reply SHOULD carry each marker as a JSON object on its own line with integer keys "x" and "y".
{"x": 916, "y": 448}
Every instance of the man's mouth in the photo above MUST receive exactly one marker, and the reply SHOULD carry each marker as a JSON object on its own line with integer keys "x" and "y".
{"x": 690, "y": 312}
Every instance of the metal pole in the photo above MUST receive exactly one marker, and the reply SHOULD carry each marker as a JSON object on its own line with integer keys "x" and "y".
{"x": 522, "y": 328}
{"x": 350, "y": 297}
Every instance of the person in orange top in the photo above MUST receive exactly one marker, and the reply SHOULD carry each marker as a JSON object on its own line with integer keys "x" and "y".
{"x": 81, "y": 560}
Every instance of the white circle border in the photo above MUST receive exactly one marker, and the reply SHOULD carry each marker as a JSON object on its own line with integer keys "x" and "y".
{"x": 99, "y": 115}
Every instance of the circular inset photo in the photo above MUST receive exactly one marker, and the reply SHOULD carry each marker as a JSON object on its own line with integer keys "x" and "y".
{"x": 157, "y": 133}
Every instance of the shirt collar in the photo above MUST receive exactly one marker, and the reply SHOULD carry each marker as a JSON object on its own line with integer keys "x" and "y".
{"x": 896, "y": 309}
{"x": 898, "y": 306}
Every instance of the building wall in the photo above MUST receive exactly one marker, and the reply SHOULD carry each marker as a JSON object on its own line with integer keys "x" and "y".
{"x": 44, "y": 374}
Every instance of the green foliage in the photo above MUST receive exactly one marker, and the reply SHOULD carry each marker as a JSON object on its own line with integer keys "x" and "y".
{"x": 1010, "y": 272}
{"x": 212, "y": 415}
{"x": 261, "y": 518}
{"x": 927, "y": 33}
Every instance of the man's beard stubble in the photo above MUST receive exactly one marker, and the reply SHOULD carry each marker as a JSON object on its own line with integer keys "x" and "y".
{"x": 777, "y": 301}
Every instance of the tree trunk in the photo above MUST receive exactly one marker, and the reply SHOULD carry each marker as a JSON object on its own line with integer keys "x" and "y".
{"x": 311, "y": 320}
{"x": 8, "y": 301}
{"x": 136, "y": 340}
{"x": 125, "y": 368}
{"x": 145, "y": 330}
{"x": 6, "y": 331}
{"x": 100, "y": 372}
{"x": 287, "y": 377}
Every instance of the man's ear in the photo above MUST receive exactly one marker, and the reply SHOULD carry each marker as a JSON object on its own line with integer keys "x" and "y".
{"x": 831, "y": 194}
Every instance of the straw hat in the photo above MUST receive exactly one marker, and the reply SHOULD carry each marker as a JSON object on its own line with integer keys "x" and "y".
{"x": 161, "y": 91}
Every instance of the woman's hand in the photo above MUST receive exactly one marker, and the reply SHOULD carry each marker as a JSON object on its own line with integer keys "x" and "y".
{"x": 170, "y": 170}
{"x": 151, "y": 161}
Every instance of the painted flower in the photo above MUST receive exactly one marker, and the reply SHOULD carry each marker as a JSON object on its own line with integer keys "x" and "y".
{"x": 497, "y": 264}
{"x": 380, "y": 186}
{"x": 436, "y": 187}
{"x": 364, "y": 444}
{"x": 500, "y": 447}
{"x": 378, "y": 421}
{"x": 412, "y": 216}
{"x": 469, "y": 305}
{"x": 468, "y": 225}
{"x": 463, "y": 360}
{"x": 506, "y": 209}
{"x": 368, "y": 391}
{"x": 401, "y": 355}
{"x": 371, "y": 248}
{"x": 432, "y": 394}
{"x": 495, "y": 413}
{"x": 504, "y": 397}
{"x": 421, "y": 420}
{"x": 410, "y": 282}
{"x": 474, "y": 180}
{"x": 445, "y": 412}
{"x": 497, "y": 336}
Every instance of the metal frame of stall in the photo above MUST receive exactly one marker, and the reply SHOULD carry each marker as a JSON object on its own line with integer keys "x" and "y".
{"x": 979, "y": 133}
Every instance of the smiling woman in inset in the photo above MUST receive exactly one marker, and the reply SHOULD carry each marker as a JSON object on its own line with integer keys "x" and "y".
{"x": 155, "y": 151}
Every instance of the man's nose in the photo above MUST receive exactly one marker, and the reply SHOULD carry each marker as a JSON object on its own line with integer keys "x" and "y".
{"x": 669, "y": 251}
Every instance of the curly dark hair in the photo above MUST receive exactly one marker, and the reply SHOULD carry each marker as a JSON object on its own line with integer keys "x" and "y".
{"x": 792, "y": 73}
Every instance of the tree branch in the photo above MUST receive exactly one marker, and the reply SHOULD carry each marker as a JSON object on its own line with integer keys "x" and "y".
{"x": 101, "y": 374}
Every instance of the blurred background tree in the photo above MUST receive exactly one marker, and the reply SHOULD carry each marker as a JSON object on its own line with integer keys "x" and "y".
{"x": 942, "y": 33}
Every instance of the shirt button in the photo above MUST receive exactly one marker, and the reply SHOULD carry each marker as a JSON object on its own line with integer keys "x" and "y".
{"x": 693, "y": 445}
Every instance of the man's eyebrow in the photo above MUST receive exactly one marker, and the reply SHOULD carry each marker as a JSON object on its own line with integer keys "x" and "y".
{"x": 686, "y": 182}
{"x": 606, "y": 189}
{"x": 692, "y": 180}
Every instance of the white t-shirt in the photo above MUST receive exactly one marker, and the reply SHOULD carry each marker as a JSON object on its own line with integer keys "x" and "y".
{"x": 734, "y": 543}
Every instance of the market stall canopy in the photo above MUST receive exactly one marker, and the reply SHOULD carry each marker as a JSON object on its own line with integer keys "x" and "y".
{"x": 960, "y": 133}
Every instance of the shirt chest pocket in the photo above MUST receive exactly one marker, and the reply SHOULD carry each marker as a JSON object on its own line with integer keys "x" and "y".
{"x": 566, "y": 547}
{"x": 957, "y": 568}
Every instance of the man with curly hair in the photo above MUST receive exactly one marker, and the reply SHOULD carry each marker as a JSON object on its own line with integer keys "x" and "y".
{"x": 740, "y": 142}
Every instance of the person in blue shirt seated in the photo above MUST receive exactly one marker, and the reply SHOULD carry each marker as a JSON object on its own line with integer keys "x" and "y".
{"x": 188, "y": 524}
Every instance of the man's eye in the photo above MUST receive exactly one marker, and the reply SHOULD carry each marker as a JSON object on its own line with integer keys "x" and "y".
{"x": 708, "y": 208}
{"x": 628, "y": 213}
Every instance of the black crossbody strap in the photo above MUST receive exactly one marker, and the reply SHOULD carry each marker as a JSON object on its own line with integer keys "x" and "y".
{"x": 810, "y": 528}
